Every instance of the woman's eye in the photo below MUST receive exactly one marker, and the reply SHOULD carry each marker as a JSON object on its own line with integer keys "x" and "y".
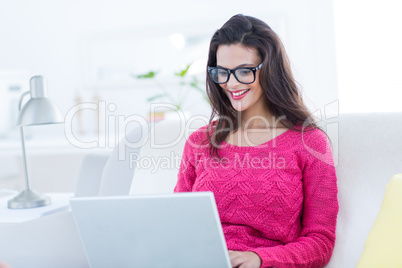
{"x": 222, "y": 73}
{"x": 244, "y": 72}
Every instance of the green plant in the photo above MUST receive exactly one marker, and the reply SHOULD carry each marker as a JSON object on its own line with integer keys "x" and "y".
{"x": 186, "y": 82}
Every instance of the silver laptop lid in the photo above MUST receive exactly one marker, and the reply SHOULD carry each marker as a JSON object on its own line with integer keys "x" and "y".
{"x": 172, "y": 230}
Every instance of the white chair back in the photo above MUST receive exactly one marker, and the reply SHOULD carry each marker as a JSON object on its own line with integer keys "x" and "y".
{"x": 160, "y": 157}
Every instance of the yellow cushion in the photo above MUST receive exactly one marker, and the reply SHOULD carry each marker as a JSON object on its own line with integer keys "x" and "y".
{"x": 383, "y": 246}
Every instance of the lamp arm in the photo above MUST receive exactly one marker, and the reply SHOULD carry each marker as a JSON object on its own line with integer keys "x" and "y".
{"x": 24, "y": 157}
{"x": 22, "y": 98}
{"x": 23, "y": 142}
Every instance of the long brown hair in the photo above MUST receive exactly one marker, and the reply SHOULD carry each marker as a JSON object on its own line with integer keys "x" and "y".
{"x": 282, "y": 96}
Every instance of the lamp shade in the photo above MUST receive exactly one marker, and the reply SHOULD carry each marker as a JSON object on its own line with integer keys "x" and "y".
{"x": 39, "y": 109}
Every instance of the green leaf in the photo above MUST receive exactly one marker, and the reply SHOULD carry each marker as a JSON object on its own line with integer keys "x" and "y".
{"x": 150, "y": 74}
{"x": 182, "y": 73}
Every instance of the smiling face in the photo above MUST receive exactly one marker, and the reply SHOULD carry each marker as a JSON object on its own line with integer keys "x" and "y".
{"x": 243, "y": 97}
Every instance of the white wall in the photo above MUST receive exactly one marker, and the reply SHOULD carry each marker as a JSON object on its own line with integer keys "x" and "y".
{"x": 369, "y": 55}
{"x": 49, "y": 37}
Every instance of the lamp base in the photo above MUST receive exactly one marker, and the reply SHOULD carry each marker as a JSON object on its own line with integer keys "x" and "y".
{"x": 29, "y": 199}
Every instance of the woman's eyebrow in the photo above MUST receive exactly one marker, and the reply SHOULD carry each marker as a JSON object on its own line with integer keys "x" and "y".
{"x": 238, "y": 66}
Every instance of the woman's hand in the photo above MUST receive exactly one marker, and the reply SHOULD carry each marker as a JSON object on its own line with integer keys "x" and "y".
{"x": 244, "y": 259}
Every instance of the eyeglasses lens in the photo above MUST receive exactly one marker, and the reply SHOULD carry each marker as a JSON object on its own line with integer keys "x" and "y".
{"x": 220, "y": 75}
{"x": 244, "y": 75}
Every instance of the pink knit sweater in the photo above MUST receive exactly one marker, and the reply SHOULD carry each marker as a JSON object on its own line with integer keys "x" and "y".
{"x": 278, "y": 199}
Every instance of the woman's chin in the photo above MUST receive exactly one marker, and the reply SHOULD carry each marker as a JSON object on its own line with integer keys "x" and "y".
{"x": 238, "y": 106}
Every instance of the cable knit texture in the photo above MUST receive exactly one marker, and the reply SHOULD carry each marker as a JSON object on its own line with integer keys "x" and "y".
{"x": 277, "y": 199}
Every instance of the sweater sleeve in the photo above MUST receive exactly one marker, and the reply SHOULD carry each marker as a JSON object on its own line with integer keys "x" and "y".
{"x": 187, "y": 175}
{"x": 315, "y": 244}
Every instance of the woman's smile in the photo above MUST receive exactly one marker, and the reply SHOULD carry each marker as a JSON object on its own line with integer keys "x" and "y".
{"x": 239, "y": 94}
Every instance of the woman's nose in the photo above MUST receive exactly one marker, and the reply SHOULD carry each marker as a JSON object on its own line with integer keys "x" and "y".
{"x": 232, "y": 82}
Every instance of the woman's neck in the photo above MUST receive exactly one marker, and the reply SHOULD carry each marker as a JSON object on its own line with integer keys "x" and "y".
{"x": 262, "y": 119}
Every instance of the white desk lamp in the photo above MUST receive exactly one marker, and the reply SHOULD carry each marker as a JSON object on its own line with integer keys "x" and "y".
{"x": 38, "y": 110}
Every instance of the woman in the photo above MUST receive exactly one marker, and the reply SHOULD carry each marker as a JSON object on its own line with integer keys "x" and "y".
{"x": 269, "y": 166}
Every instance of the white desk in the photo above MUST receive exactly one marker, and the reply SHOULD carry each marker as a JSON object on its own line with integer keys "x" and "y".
{"x": 59, "y": 202}
{"x": 38, "y": 241}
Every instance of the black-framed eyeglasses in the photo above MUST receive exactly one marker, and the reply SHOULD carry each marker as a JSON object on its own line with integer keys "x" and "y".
{"x": 245, "y": 75}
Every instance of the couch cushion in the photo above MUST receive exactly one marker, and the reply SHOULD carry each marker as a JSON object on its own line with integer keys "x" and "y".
{"x": 370, "y": 152}
{"x": 384, "y": 244}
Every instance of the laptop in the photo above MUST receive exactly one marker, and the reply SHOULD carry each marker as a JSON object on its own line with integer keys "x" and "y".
{"x": 170, "y": 230}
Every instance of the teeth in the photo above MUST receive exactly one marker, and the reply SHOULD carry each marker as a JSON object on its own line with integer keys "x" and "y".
{"x": 240, "y": 93}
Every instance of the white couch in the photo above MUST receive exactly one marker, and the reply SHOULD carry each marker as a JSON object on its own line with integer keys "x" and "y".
{"x": 367, "y": 148}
